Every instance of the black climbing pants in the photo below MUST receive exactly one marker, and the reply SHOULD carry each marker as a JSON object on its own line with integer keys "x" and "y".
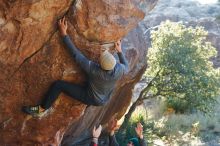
{"x": 73, "y": 90}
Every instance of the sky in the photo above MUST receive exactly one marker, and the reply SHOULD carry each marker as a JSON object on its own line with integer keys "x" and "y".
{"x": 207, "y": 1}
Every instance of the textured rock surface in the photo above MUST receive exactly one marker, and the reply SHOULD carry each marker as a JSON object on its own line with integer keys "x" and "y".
{"x": 32, "y": 56}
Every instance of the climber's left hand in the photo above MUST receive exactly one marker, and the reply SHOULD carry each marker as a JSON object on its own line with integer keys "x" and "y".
{"x": 118, "y": 46}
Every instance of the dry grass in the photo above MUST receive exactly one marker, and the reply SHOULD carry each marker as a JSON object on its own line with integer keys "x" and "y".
{"x": 180, "y": 129}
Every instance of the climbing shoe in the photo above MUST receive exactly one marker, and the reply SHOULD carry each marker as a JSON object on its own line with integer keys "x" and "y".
{"x": 33, "y": 110}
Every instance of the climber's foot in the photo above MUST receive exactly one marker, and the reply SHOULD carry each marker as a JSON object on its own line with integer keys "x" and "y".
{"x": 35, "y": 111}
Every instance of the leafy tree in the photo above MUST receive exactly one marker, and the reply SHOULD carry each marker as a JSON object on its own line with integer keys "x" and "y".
{"x": 180, "y": 70}
{"x": 179, "y": 62}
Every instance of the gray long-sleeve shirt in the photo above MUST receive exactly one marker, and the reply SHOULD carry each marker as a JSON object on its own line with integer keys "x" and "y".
{"x": 101, "y": 82}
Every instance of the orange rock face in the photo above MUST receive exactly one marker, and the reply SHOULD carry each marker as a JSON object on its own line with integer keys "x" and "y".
{"x": 32, "y": 56}
{"x": 93, "y": 18}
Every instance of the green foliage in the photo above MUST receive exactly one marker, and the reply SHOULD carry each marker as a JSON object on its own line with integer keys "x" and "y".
{"x": 179, "y": 62}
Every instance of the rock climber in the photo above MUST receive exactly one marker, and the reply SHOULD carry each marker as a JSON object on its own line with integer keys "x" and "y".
{"x": 139, "y": 141}
{"x": 102, "y": 77}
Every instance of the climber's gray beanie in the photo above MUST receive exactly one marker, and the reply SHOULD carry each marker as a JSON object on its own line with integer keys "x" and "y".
{"x": 107, "y": 60}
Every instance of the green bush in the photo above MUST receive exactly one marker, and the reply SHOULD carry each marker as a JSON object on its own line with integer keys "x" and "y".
{"x": 180, "y": 67}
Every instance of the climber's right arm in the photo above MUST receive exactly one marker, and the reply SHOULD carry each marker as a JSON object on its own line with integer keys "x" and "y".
{"x": 75, "y": 53}
{"x": 122, "y": 59}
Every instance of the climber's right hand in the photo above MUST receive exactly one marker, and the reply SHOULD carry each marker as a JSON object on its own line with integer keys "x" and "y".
{"x": 62, "y": 23}
{"x": 118, "y": 46}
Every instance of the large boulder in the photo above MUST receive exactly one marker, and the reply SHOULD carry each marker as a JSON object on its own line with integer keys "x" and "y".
{"x": 32, "y": 56}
